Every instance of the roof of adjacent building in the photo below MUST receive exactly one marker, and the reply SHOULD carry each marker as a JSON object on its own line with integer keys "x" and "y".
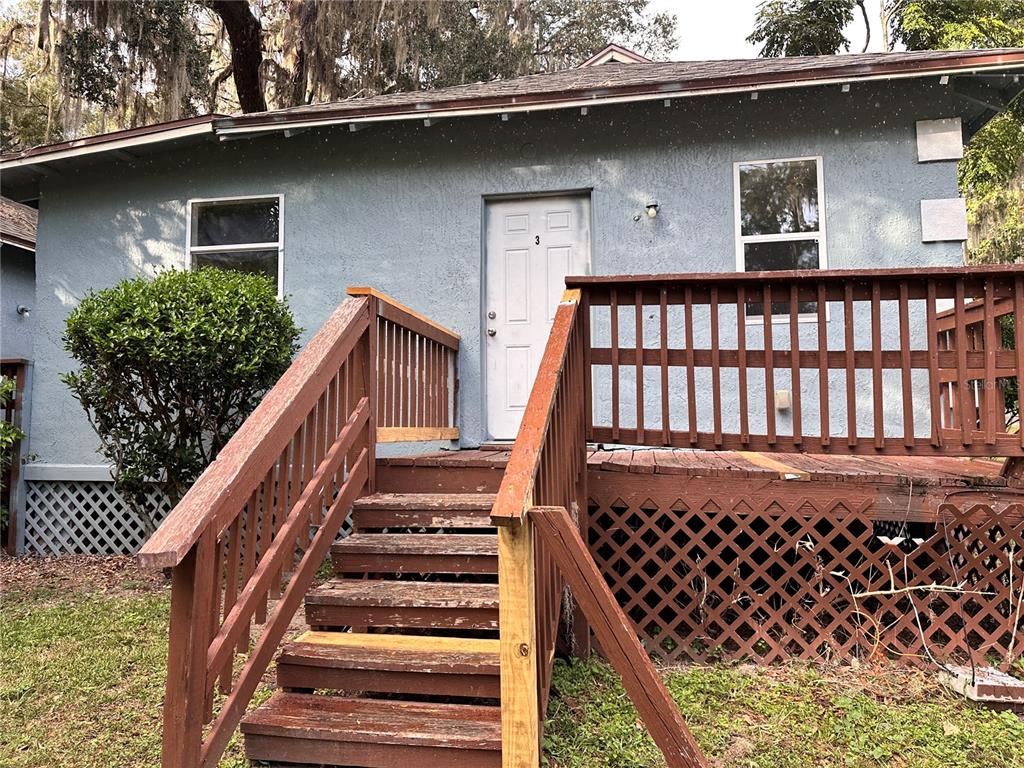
{"x": 614, "y": 82}
{"x": 17, "y": 224}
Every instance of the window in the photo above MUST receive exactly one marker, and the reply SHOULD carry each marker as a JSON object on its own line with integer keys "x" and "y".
{"x": 242, "y": 233}
{"x": 779, "y": 219}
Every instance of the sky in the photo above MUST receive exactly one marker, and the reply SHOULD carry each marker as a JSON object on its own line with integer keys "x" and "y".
{"x": 717, "y": 29}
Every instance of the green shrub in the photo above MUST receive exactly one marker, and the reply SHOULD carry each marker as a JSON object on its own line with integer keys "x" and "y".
{"x": 171, "y": 367}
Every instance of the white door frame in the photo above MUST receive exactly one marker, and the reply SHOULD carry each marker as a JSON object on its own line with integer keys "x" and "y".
{"x": 495, "y": 197}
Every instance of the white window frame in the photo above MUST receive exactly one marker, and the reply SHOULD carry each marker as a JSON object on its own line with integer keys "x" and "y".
{"x": 820, "y": 235}
{"x": 277, "y": 245}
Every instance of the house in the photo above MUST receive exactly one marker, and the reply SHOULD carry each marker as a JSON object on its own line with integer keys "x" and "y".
{"x": 757, "y": 262}
{"x": 481, "y": 198}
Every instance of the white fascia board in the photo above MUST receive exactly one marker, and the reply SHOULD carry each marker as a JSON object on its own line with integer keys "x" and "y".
{"x": 109, "y": 146}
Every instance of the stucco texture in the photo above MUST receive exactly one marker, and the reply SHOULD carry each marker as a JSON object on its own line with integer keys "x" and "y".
{"x": 399, "y": 207}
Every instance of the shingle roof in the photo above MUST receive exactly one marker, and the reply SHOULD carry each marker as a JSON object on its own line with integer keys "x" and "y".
{"x": 17, "y": 224}
{"x": 669, "y": 77}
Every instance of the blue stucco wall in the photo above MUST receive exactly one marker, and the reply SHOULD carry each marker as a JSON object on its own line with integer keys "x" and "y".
{"x": 399, "y": 207}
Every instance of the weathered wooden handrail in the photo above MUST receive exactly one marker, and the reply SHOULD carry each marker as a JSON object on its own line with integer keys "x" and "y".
{"x": 417, "y": 379}
{"x": 847, "y": 361}
{"x": 614, "y": 631}
{"x": 547, "y": 466}
{"x": 259, "y": 521}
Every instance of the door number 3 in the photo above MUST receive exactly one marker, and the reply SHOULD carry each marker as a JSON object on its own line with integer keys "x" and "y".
{"x": 536, "y": 239}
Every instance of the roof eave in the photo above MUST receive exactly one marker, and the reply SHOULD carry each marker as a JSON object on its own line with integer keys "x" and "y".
{"x": 591, "y": 97}
{"x": 17, "y": 242}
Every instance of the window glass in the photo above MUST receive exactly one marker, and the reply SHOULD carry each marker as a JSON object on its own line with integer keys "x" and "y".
{"x": 235, "y": 222}
{"x": 773, "y": 256}
{"x": 778, "y": 198}
{"x": 260, "y": 262}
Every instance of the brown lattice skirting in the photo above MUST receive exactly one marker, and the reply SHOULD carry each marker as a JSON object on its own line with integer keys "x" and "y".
{"x": 770, "y": 577}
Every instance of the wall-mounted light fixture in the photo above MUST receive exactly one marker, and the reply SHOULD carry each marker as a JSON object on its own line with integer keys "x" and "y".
{"x": 23, "y": 310}
{"x": 650, "y": 209}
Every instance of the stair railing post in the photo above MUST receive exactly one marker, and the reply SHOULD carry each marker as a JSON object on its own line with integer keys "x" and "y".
{"x": 193, "y": 584}
{"x": 517, "y": 630}
{"x": 370, "y": 383}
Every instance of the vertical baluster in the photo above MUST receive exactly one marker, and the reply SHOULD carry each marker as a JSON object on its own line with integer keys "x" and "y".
{"x": 445, "y": 394}
{"x": 249, "y": 556}
{"x": 272, "y": 503}
{"x": 769, "y": 363}
{"x": 406, "y": 379}
{"x": 435, "y": 350}
{"x": 794, "y": 362}
{"x": 691, "y": 378}
{"x": 388, "y": 400}
{"x": 908, "y": 395}
{"x": 851, "y": 370}
{"x": 587, "y": 378}
{"x": 878, "y": 392}
{"x": 965, "y": 406}
{"x": 823, "y": 367}
{"x": 741, "y": 348}
{"x": 994, "y": 414}
{"x": 639, "y": 343}
{"x": 233, "y": 566}
{"x": 614, "y": 306}
{"x": 934, "y": 384}
{"x": 414, "y": 373}
{"x": 217, "y": 584}
{"x": 716, "y": 368}
{"x": 666, "y": 426}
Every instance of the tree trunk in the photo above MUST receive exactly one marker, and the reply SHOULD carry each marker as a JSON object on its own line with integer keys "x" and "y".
{"x": 245, "y": 35}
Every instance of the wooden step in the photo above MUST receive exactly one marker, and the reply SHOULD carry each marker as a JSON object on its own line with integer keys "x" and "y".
{"x": 372, "y": 733}
{"x": 420, "y": 664}
{"x": 416, "y": 553}
{"x": 423, "y": 510}
{"x": 420, "y": 604}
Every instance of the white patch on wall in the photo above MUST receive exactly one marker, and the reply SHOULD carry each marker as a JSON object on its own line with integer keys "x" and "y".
{"x": 943, "y": 220}
{"x": 939, "y": 140}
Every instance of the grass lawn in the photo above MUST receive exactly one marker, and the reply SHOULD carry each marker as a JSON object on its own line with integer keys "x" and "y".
{"x": 83, "y": 649}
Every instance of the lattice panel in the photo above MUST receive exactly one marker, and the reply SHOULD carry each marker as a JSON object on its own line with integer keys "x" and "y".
{"x": 83, "y": 517}
{"x": 787, "y": 578}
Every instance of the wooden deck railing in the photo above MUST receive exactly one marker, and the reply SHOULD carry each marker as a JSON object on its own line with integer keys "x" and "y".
{"x": 260, "y": 520}
{"x": 973, "y": 402}
{"x": 851, "y": 361}
{"x": 417, "y": 382}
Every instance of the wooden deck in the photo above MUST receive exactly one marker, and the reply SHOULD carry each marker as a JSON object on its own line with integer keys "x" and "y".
{"x": 876, "y": 471}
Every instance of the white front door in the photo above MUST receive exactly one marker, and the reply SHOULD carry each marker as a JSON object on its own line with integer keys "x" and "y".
{"x": 531, "y": 246}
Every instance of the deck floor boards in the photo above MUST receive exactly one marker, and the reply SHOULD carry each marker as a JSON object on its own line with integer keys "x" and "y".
{"x": 876, "y": 470}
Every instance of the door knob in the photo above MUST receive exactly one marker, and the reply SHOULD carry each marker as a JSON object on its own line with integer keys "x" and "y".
{"x": 491, "y": 332}
{"x": 492, "y": 314}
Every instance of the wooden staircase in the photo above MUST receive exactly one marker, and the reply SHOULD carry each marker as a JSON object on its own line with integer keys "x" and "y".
{"x": 401, "y": 660}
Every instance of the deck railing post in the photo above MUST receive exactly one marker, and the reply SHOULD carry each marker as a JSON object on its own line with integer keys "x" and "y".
{"x": 370, "y": 389}
{"x": 517, "y": 623}
{"x": 192, "y": 592}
